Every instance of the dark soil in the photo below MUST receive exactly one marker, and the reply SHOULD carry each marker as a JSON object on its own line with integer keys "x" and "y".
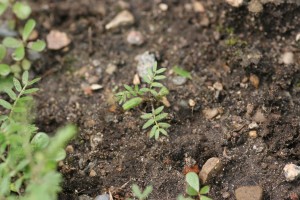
{"x": 112, "y": 143}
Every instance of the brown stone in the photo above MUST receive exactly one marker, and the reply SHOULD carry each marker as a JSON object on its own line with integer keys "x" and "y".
{"x": 211, "y": 168}
{"x": 249, "y": 193}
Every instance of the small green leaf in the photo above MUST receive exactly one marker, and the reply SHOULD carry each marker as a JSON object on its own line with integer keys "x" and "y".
{"x": 193, "y": 180}
{"x": 158, "y": 110}
{"x": 164, "y": 125}
{"x": 191, "y": 191}
{"x": 164, "y": 132}
{"x": 152, "y": 132}
{"x": 156, "y": 135}
{"x": 148, "y": 123}
{"x": 28, "y": 28}
{"x": 163, "y": 91}
{"x": 146, "y": 116}
{"x": 17, "y": 84}
{"x": 25, "y": 76}
{"x": 60, "y": 155}
{"x": 204, "y": 190}
{"x": 22, "y": 10}
{"x": 147, "y": 191}
{"x": 181, "y": 72}
{"x": 33, "y": 81}
{"x": 3, "y": 6}
{"x": 132, "y": 103}
{"x": 5, "y": 104}
{"x": 136, "y": 190}
{"x": 2, "y": 52}
{"x": 4, "y": 69}
{"x": 154, "y": 66}
{"x": 19, "y": 53}
{"x": 146, "y": 79}
{"x": 202, "y": 197}
{"x": 40, "y": 141}
{"x": 11, "y": 42}
{"x": 26, "y": 64}
{"x": 181, "y": 197}
{"x": 11, "y": 93}
{"x": 144, "y": 90}
{"x": 156, "y": 84}
{"x": 159, "y": 77}
{"x": 161, "y": 70}
{"x": 31, "y": 90}
{"x": 127, "y": 87}
{"x": 161, "y": 116}
{"x": 153, "y": 92}
{"x": 38, "y": 46}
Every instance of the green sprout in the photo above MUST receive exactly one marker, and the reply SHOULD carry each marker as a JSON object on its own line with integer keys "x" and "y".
{"x": 153, "y": 92}
{"x": 141, "y": 195}
{"x": 181, "y": 72}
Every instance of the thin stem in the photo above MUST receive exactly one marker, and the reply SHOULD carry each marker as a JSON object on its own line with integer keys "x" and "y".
{"x": 16, "y": 101}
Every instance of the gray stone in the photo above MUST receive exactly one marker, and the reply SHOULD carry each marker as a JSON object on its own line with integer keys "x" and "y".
{"x": 145, "y": 62}
{"x": 135, "y": 38}
{"x": 249, "y": 193}
{"x": 84, "y": 197}
{"x": 102, "y": 197}
{"x": 291, "y": 172}
{"x": 179, "y": 80}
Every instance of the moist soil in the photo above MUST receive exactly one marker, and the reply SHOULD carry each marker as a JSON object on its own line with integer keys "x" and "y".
{"x": 231, "y": 46}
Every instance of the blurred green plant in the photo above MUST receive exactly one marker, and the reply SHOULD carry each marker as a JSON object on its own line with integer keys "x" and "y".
{"x": 140, "y": 194}
{"x": 152, "y": 92}
{"x": 182, "y": 72}
{"x": 18, "y": 47}
{"x": 28, "y": 158}
{"x": 193, "y": 188}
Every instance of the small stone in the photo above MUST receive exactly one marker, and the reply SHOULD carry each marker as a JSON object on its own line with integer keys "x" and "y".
{"x": 298, "y": 37}
{"x": 192, "y": 103}
{"x": 259, "y": 117}
{"x": 225, "y": 195}
{"x": 210, "y": 113}
{"x": 57, "y": 40}
{"x": 179, "y": 80}
{"x": 253, "y": 134}
{"x": 235, "y": 3}
{"x": 135, "y": 38}
{"x": 287, "y": 58}
{"x": 249, "y": 193}
{"x": 253, "y": 125}
{"x": 96, "y": 87}
{"x": 145, "y": 61}
{"x": 291, "y": 172}
{"x": 95, "y": 140}
{"x": 102, "y": 197}
{"x": 218, "y": 86}
{"x": 250, "y": 108}
{"x": 255, "y": 6}
{"x": 136, "y": 80}
{"x": 198, "y": 7}
{"x": 70, "y": 149}
{"x": 122, "y": 19}
{"x": 84, "y": 197}
{"x": 163, "y": 7}
{"x": 166, "y": 102}
{"x": 93, "y": 173}
{"x": 111, "y": 68}
{"x": 254, "y": 80}
{"x": 211, "y": 168}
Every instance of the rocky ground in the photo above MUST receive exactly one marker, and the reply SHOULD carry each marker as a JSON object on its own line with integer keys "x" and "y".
{"x": 239, "y": 112}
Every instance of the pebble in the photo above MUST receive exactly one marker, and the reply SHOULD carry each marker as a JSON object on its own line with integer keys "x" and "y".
{"x": 253, "y": 134}
{"x": 110, "y": 69}
{"x": 249, "y": 193}
{"x": 57, "y": 40}
{"x": 235, "y": 3}
{"x": 96, "y": 87}
{"x": 179, "y": 80}
{"x": 298, "y": 37}
{"x": 136, "y": 80}
{"x": 287, "y": 58}
{"x": 145, "y": 61}
{"x": 135, "y": 38}
{"x": 95, "y": 140}
{"x": 253, "y": 125}
{"x": 291, "y": 172}
{"x": 198, "y": 7}
{"x": 163, "y": 7}
{"x": 70, "y": 149}
{"x": 210, "y": 113}
{"x": 259, "y": 117}
{"x": 192, "y": 103}
{"x": 255, "y": 6}
{"x": 211, "y": 168}
{"x": 225, "y": 195}
{"x": 84, "y": 197}
{"x": 218, "y": 86}
{"x": 122, "y": 19}
{"x": 93, "y": 173}
{"x": 254, "y": 80}
{"x": 102, "y": 197}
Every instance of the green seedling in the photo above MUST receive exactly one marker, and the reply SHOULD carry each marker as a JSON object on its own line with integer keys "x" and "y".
{"x": 193, "y": 188}
{"x": 152, "y": 93}
{"x": 181, "y": 72}
{"x": 28, "y": 159}
{"x": 139, "y": 194}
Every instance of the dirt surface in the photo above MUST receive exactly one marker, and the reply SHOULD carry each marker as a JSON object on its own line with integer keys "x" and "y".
{"x": 222, "y": 44}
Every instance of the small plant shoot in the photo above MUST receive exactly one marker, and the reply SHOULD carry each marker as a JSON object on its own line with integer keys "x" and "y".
{"x": 140, "y": 194}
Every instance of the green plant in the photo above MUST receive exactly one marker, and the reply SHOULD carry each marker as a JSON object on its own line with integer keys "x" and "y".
{"x": 28, "y": 158}
{"x": 152, "y": 92}
{"x": 20, "y": 45}
{"x": 141, "y": 195}
{"x": 193, "y": 188}
{"x": 181, "y": 72}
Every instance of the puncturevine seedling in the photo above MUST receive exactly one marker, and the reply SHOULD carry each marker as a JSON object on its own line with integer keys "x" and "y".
{"x": 193, "y": 188}
{"x": 28, "y": 159}
{"x": 153, "y": 92}
{"x": 138, "y": 193}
